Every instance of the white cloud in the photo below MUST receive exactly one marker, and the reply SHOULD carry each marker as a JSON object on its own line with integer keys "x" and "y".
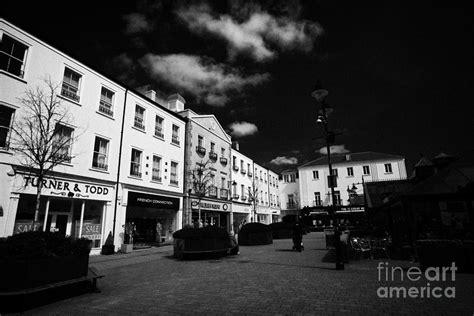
{"x": 136, "y": 23}
{"x": 208, "y": 81}
{"x": 284, "y": 160}
{"x": 257, "y": 35}
{"x": 240, "y": 129}
{"x": 335, "y": 149}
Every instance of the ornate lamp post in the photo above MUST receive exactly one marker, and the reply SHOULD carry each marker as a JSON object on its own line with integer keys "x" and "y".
{"x": 320, "y": 95}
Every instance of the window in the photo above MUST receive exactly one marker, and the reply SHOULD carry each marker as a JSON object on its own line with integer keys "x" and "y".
{"x": 174, "y": 173}
{"x": 135, "y": 164}
{"x": 291, "y": 201}
{"x": 101, "y": 149}
{"x": 286, "y": 178}
{"x": 223, "y": 183}
{"x": 62, "y": 143}
{"x": 334, "y": 172}
{"x": 12, "y": 56}
{"x": 222, "y": 152}
{"x": 366, "y": 170}
{"x": 350, "y": 171}
{"x": 6, "y": 115}
{"x": 159, "y": 127}
{"x": 156, "y": 169}
{"x": 292, "y": 177}
{"x": 317, "y": 199}
{"x": 70, "y": 86}
{"x": 265, "y": 177}
{"x": 106, "y": 102}
{"x": 242, "y": 191}
{"x": 242, "y": 165}
{"x": 248, "y": 168}
{"x": 261, "y": 178}
{"x": 139, "y": 121}
{"x": 315, "y": 174}
{"x": 388, "y": 168}
{"x": 175, "y": 135}
{"x": 337, "y": 198}
{"x": 213, "y": 146}
{"x": 234, "y": 161}
{"x": 200, "y": 141}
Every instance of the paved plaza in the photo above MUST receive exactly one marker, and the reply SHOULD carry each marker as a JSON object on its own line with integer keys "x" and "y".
{"x": 262, "y": 280}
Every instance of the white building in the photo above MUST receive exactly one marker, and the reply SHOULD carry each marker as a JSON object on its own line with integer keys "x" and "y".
{"x": 351, "y": 170}
{"x": 110, "y": 178}
{"x": 289, "y": 191}
{"x": 274, "y": 195}
{"x": 242, "y": 177}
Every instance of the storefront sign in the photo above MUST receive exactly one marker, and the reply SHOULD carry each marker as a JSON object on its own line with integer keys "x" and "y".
{"x": 210, "y": 205}
{"x": 66, "y": 188}
{"x": 91, "y": 231}
{"x": 152, "y": 201}
{"x": 22, "y": 226}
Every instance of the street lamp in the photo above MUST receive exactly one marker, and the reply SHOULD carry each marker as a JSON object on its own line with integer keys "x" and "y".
{"x": 320, "y": 95}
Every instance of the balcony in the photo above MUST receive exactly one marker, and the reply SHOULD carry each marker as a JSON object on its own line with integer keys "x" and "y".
{"x": 213, "y": 191}
{"x": 250, "y": 174}
{"x": 173, "y": 182}
{"x": 201, "y": 150}
{"x": 159, "y": 132}
{"x": 290, "y": 205}
{"x": 212, "y": 156}
{"x": 235, "y": 196}
{"x": 156, "y": 174}
{"x": 224, "y": 194}
{"x": 243, "y": 171}
{"x": 175, "y": 139}
{"x": 223, "y": 161}
{"x": 138, "y": 123}
{"x": 69, "y": 92}
{"x": 317, "y": 203}
{"x": 235, "y": 167}
{"x": 243, "y": 198}
{"x": 106, "y": 108}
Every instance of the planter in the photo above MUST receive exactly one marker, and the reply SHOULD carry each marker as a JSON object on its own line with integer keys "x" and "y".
{"x": 183, "y": 246}
{"x": 256, "y": 238}
{"x": 18, "y": 274}
{"x": 126, "y": 248}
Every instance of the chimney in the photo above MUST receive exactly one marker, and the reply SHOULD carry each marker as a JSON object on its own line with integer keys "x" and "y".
{"x": 151, "y": 94}
{"x": 176, "y": 102}
{"x": 348, "y": 157}
{"x": 236, "y": 145}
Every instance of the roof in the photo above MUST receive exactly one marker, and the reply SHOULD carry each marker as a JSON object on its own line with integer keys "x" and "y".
{"x": 376, "y": 192}
{"x": 354, "y": 157}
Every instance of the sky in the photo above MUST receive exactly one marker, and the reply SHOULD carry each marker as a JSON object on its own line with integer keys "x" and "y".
{"x": 399, "y": 75}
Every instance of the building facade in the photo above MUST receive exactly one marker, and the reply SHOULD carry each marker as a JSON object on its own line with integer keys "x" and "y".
{"x": 289, "y": 191}
{"x": 112, "y": 159}
{"x": 242, "y": 178}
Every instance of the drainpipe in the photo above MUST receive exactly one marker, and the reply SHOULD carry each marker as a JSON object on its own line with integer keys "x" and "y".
{"x": 119, "y": 163}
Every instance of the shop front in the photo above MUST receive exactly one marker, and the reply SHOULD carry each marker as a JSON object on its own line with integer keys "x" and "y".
{"x": 212, "y": 213}
{"x": 241, "y": 216}
{"x": 151, "y": 218}
{"x": 67, "y": 206}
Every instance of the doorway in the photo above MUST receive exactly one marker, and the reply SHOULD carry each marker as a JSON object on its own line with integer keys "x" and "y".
{"x": 59, "y": 222}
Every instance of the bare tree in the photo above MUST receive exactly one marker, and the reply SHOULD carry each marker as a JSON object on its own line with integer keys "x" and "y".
{"x": 254, "y": 195}
{"x": 202, "y": 179}
{"x": 41, "y": 134}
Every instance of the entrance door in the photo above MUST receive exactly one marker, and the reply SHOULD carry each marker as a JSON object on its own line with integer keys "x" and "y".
{"x": 59, "y": 222}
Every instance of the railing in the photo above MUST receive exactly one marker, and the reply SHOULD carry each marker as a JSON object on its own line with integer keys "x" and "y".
{"x": 223, "y": 160}
{"x": 156, "y": 174}
{"x": 105, "y": 108}
{"x": 235, "y": 167}
{"x": 135, "y": 170}
{"x": 235, "y": 196}
{"x": 317, "y": 203}
{"x": 158, "y": 132}
{"x": 243, "y": 171}
{"x": 174, "y": 182}
{"x": 213, "y": 191}
{"x": 99, "y": 160}
{"x": 138, "y": 123}
{"x": 212, "y": 156}
{"x": 175, "y": 139}
{"x": 249, "y": 173}
{"x": 224, "y": 194}
{"x": 290, "y": 205}
{"x": 200, "y": 150}
{"x": 243, "y": 198}
{"x": 69, "y": 92}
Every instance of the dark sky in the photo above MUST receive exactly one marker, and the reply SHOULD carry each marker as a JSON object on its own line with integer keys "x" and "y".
{"x": 399, "y": 76}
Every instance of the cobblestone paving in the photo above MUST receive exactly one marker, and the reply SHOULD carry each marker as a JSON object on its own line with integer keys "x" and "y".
{"x": 262, "y": 280}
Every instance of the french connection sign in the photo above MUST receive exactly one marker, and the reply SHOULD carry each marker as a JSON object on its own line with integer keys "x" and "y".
{"x": 152, "y": 201}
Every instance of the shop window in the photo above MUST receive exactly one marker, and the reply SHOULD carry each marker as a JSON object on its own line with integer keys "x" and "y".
{"x": 101, "y": 148}
{"x": 92, "y": 222}
{"x": 135, "y": 163}
{"x": 12, "y": 56}
{"x": 6, "y": 117}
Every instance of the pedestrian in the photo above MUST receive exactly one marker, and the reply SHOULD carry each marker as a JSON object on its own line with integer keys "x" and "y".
{"x": 159, "y": 230}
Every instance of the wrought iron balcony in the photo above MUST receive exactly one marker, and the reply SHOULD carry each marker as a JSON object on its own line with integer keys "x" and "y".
{"x": 213, "y": 191}
{"x": 250, "y": 174}
{"x": 212, "y": 155}
{"x": 235, "y": 196}
{"x": 138, "y": 123}
{"x": 224, "y": 194}
{"x": 175, "y": 139}
{"x": 243, "y": 198}
{"x": 106, "y": 108}
{"x": 243, "y": 171}
{"x": 235, "y": 167}
{"x": 290, "y": 205}
{"x": 223, "y": 160}
{"x": 200, "y": 150}
{"x": 69, "y": 94}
